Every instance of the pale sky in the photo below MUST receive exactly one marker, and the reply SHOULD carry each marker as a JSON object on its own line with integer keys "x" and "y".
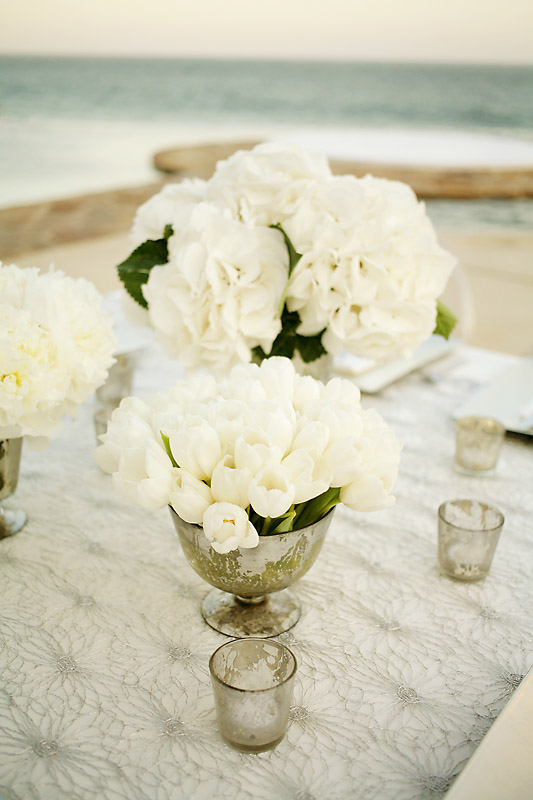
{"x": 497, "y": 31}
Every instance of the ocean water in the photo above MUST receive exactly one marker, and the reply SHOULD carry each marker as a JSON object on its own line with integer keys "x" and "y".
{"x": 69, "y": 125}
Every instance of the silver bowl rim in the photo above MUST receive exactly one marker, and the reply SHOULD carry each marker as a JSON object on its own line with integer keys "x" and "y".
{"x": 268, "y": 535}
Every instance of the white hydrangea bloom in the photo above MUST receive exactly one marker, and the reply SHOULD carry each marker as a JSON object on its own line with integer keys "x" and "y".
{"x": 371, "y": 269}
{"x": 171, "y": 206}
{"x": 368, "y": 279}
{"x": 219, "y": 294}
{"x": 264, "y": 186}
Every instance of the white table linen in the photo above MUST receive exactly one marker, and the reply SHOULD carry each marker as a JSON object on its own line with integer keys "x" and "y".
{"x": 105, "y": 691}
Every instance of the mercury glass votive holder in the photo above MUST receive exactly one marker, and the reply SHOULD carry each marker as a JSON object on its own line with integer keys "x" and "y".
{"x": 101, "y": 419}
{"x": 119, "y": 380}
{"x": 252, "y": 686}
{"x": 478, "y": 441}
{"x": 468, "y": 534}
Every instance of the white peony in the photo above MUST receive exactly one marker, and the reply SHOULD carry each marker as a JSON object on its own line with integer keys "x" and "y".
{"x": 56, "y": 346}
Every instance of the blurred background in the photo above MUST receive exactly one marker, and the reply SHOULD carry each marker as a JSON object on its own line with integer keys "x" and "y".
{"x": 100, "y": 103}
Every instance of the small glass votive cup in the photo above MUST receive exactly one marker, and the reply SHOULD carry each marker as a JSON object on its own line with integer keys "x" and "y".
{"x": 252, "y": 686}
{"x": 468, "y": 534}
{"x": 478, "y": 441}
{"x": 119, "y": 381}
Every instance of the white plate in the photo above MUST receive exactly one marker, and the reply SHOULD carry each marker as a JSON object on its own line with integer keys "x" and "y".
{"x": 373, "y": 379}
{"x": 507, "y": 397}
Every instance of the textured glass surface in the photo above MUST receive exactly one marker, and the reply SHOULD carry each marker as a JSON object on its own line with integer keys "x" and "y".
{"x": 468, "y": 535}
{"x": 478, "y": 441}
{"x": 252, "y": 687}
{"x": 119, "y": 381}
{"x": 12, "y": 520}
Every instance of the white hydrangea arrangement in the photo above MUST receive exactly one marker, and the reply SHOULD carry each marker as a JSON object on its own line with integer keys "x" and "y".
{"x": 262, "y": 451}
{"x": 56, "y": 346}
{"x": 274, "y": 255}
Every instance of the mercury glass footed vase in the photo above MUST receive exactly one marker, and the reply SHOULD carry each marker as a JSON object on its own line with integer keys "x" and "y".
{"x": 11, "y": 520}
{"x": 251, "y": 596}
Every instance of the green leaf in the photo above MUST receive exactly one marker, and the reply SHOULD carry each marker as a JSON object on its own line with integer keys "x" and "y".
{"x": 284, "y": 523}
{"x": 265, "y": 529}
{"x": 446, "y": 320}
{"x": 310, "y": 347}
{"x": 166, "y": 442}
{"x": 287, "y": 341}
{"x": 135, "y": 270}
{"x": 294, "y": 257}
{"x": 315, "y": 509}
{"x": 255, "y": 519}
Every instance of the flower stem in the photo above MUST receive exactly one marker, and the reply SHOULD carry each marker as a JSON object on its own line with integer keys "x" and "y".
{"x": 313, "y": 510}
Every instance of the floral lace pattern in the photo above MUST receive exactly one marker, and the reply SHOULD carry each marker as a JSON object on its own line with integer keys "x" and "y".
{"x": 105, "y": 689}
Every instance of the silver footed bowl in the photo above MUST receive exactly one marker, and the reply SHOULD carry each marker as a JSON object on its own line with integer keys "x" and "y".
{"x": 247, "y": 579}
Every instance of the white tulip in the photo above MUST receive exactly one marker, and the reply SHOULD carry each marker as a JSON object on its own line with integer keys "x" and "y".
{"x": 277, "y": 377}
{"x": 312, "y": 435}
{"x": 307, "y": 394}
{"x": 366, "y": 493}
{"x": 129, "y": 428}
{"x": 229, "y": 483}
{"x": 196, "y": 447}
{"x": 271, "y": 492}
{"x": 342, "y": 461}
{"x": 254, "y": 450}
{"x": 300, "y": 465}
{"x": 189, "y": 497}
{"x": 238, "y": 447}
{"x": 278, "y": 420}
{"x": 227, "y": 527}
{"x": 144, "y": 476}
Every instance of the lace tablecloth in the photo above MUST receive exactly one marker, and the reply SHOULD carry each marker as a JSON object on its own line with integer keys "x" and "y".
{"x": 105, "y": 691}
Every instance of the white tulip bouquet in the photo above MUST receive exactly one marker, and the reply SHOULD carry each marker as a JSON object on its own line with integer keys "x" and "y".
{"x": 262, "y": 451}
{"x": 274, "y": 255}
{"x": 56, "y": 346}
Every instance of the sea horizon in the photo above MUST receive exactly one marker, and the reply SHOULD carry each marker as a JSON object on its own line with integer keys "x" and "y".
{"x": 89, "y": 127}
{"x": 287, "y": 59}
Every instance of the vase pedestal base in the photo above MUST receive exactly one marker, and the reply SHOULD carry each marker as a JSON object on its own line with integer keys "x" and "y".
{"x": 11, "y": 521}
{"x": 260, "y": 617}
